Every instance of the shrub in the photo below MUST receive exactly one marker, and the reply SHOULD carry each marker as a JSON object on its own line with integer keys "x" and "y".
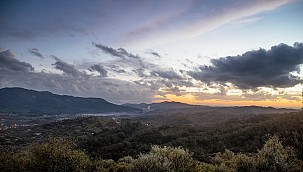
{"x": 229, "y": 161}
{"x": 105, "y": 165}
{"x": 17, "y": 162}
{"x": 204, "y": 167}
{"x": 54, "y": 155}
{"x": 164, "y": 159}
{"x": 274, "y": 156}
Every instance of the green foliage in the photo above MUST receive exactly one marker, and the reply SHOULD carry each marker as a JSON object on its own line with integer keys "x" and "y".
{"x": 17, "y": 162}
{"x": 23, "y": 101}
{"x": 61, "y": 155}
{"x": 105, "y": 165}
{"x": 229, "y": 161}
{"x": 164, "y": 159}
{"x": 54, "y": 155}
{"x": 272, "y": 157}
{"x": 107, "y": 138}
{"x": 205, "y": 167}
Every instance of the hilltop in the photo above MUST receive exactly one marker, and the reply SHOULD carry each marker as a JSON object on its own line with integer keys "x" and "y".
{"x": 24, "y": 101}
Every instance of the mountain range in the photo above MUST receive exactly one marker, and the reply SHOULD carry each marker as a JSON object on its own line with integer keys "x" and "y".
{"x": 23, "y": 101}
{"x": 177, "y": 107}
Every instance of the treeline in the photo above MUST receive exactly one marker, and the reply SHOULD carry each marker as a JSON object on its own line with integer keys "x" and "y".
{"x": 61, "y": 155}
{"x": 107, "y": 138}
{"x": 132, "y": 137}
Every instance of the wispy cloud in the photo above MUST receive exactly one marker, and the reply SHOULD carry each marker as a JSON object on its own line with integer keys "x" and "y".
{"x": 35, "y": 52}
{"x": 148, "y": 22}
{"x": 151, "y": 76}
{"x": 67, "y": 68}
{"x": 155, "y": 54}
{"x": 126, "y": 59}
{"x": 120, "y": 52}
{"x": 197, "y": 18}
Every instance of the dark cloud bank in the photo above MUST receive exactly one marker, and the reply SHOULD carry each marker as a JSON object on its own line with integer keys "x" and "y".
{"x": 9, "y": 62}
{"x": 14, "y": 73}
{"x": 250, "y": 70}
{"x": 253, "y": 69}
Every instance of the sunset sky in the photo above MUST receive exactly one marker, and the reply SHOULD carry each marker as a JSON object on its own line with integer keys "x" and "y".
{"x": 210, "y": 52}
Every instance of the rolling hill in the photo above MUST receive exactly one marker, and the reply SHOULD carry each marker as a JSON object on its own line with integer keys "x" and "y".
{"x": 23, "y": 101}
{"x": 178, "y": 107}
{"x": 163, "y": 106}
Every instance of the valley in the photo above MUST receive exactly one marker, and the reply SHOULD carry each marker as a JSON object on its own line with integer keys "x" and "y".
{"x": 204, "y": 131}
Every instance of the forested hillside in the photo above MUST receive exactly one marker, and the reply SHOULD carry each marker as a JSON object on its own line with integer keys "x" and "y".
{"x": 115, "y": 138}
{"x": 31, "y": 102}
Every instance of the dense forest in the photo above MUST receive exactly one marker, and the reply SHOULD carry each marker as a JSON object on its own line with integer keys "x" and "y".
{"x": 271, "y": 142}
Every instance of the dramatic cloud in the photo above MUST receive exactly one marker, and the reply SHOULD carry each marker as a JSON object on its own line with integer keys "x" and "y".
{"x": 113, "y": 90}
{"x": 14, "y": 73}
{"x": 67, "y": 68}
{"x": 9, "y": 62}
{"x": 35, "y": 52}
{"x": 169, "y": 74}
{"x": 258, "y": 68}
{"x": 120, "y": 52}
{"x": 100, "y": 69}
{"x": 151, "y": 76}
{"x": 127, "y": 61}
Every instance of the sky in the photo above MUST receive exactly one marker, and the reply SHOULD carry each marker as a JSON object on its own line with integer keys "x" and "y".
{"x": 208, "y": 52}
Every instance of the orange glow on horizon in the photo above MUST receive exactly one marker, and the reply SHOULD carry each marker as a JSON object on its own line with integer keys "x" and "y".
{"x": 190, "y": 99}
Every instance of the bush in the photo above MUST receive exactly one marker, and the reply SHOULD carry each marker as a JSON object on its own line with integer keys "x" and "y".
{"x": 164, "y": 159}
{"x": 17, "y": 162}
{"x": 272, "y": 157}
{"x": 59, "y": 155}
{"x": 229, "y": 161}
{"x": 204, "y": 167}
{"x": 105, "y": 165}
{"x": 54, "y": 155}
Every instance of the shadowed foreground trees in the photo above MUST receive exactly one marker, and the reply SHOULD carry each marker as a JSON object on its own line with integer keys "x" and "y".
{"x": 272, "y": 157}
{"x": 61, "y": 155}
{"x": 54, "y": 155}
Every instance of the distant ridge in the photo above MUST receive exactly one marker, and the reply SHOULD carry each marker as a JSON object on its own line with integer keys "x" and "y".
{"x": 179, "y": 107}
{"x": 24, "y": 101}
{"x": 166, "y": 105}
